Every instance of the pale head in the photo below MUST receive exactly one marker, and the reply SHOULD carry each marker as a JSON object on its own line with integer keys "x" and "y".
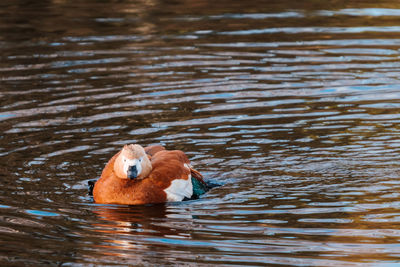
{"x": 132, "y": 162}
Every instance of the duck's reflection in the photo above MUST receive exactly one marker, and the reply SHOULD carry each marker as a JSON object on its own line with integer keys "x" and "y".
{"x": 143, "y": 219}
{"x": 124, "y": 228}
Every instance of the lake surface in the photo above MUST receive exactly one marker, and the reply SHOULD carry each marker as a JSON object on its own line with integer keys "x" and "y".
{"x": 292, "y": 106}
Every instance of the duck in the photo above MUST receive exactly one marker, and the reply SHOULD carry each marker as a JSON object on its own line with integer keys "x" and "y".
{"x": 137, "y": 175}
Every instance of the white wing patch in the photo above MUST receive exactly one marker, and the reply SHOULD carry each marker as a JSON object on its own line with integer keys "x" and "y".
{"x": 187, "y": 166}
{"x": 179, "y": 189}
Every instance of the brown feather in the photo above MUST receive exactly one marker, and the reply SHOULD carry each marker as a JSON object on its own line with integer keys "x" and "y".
{"x": 152, "y": 150}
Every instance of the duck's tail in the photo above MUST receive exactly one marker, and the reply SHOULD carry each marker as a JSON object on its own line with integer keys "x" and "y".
{"x": 91, "y": 186}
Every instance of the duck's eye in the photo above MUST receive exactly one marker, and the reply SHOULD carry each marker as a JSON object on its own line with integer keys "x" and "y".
{"x": 140, "y": 160}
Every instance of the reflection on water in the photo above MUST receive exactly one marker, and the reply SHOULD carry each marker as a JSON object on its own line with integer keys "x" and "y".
{"x": 292, "y": 105}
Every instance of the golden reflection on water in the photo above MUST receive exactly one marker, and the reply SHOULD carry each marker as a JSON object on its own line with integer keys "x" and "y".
{"x": 120, "y": 225}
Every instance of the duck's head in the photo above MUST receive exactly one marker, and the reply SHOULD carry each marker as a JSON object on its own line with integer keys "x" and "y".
{"x": 132, "y": 162}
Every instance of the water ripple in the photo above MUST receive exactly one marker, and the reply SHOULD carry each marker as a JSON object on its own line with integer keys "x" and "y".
{"x": 293, "y": 109}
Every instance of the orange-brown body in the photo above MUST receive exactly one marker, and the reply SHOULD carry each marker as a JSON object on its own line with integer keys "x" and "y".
{"x": 166, "y": 166}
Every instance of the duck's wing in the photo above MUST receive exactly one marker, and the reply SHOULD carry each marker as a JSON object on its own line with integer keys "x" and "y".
{"x": 200, "y": 187}
{"x": 171, "y": 172}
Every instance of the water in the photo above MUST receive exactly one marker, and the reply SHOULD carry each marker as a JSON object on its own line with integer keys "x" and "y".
{"x": 293, "y": 106}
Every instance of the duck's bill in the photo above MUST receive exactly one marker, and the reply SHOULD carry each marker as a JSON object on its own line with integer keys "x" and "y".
{"x": 132, "y": 172}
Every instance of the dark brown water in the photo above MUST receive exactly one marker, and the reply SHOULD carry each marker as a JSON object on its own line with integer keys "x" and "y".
{"x": 294, "y": 106}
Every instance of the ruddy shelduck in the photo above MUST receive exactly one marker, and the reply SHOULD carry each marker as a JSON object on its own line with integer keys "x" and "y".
{"x": 137, "y": 175}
